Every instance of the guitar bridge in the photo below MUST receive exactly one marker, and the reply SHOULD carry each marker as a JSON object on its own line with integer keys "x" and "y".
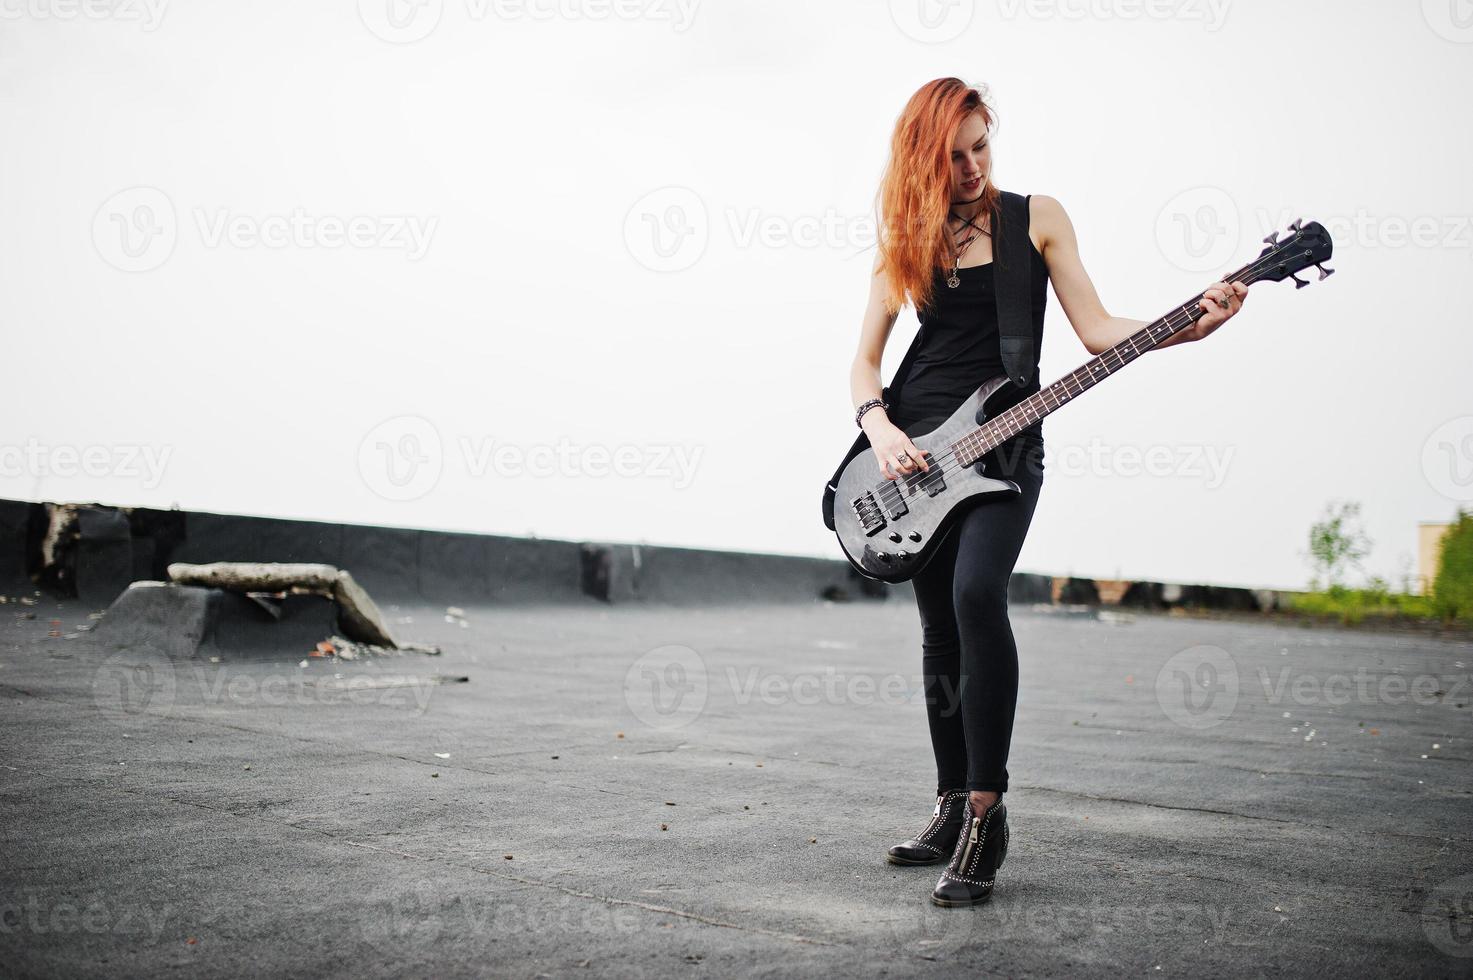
{"x": 869, "y": 512}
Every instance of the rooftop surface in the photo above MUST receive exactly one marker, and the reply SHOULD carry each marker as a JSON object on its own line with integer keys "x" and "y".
{"x": 640, "y": 790}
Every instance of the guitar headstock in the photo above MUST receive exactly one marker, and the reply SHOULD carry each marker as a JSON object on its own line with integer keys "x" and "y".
{"x": 1307, "y": 245}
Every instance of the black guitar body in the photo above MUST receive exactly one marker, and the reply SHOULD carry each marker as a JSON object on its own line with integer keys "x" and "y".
{"x": 890, "y": 529}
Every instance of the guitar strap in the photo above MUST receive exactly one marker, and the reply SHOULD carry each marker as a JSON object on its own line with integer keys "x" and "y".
{"x": 1010, "y": 250}
{"x": 1012, "y": 287}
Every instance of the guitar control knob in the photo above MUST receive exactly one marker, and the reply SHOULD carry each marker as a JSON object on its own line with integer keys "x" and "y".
{"x": 894, "y": 535}
{"x": 884, "y": 556}
{"x": 915, "y": 535}
{"x": 904, "y": 555}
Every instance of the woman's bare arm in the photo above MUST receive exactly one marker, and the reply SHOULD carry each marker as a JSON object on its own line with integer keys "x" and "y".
{"x": 1097, "y": 329}
{"x": 895, "y": 453}
{"x": 874, "y": 330}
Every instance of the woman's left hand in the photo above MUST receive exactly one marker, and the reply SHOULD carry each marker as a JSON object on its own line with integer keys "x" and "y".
{"x": 1221, "y": 301}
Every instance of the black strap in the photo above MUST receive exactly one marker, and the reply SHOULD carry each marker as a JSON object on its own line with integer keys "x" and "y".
{"x": 1011, "y": 251}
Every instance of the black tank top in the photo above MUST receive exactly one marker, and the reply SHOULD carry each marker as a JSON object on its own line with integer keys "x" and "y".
{"x": 960, "y": 348}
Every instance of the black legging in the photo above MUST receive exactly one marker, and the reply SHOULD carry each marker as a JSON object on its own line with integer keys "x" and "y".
{"x": 962, "y": 594}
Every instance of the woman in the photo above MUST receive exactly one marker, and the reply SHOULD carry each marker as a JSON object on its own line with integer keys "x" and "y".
{"x": 938, "y": 185}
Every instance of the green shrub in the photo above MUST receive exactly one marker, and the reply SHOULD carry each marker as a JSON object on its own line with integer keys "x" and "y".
{"x": 1452, "y": 587}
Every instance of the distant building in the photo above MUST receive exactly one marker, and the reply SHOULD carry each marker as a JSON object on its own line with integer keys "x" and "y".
{"x": 1429, "y": 546}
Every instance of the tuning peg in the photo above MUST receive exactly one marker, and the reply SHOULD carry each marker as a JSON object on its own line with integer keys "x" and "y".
{"x": 1324, "y": 273}
{"x": 1298, "y": 283}
{"x": 1296, "y": 224}
{"x": 1272, "y": 239}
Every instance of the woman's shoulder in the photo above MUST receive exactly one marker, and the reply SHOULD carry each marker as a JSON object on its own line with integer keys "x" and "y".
{"x": 1046, "y": 217}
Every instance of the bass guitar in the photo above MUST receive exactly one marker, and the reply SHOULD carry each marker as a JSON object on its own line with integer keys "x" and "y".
{"x": 889, "y": 529}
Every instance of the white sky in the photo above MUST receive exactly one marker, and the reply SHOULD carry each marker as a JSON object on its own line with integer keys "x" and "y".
{"x": 504, "y": 177}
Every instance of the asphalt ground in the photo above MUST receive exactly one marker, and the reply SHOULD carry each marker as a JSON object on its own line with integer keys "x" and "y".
{"x": 627, "y": 791}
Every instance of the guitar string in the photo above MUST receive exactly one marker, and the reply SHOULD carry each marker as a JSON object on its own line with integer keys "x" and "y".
{"x": 940, "y": 465}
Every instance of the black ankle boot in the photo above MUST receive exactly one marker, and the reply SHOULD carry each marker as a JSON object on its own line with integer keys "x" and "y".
{"x": 932, "y": 843}
{"x": 980, "y": 851}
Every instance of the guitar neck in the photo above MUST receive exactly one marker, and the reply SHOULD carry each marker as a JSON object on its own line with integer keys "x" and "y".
{"x": 995, "y": 431}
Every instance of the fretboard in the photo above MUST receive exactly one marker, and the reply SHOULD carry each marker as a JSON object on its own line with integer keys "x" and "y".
{"x": 995, "y": 431}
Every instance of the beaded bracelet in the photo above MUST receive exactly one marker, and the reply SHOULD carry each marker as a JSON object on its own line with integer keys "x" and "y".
{"x": 872, "y": 403}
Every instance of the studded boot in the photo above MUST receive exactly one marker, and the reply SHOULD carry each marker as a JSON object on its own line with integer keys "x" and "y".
{"x": 931, "y": 845}
{"x": 980, "y": 850}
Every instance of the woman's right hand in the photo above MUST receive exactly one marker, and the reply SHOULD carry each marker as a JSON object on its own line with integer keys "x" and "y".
{"x": 889, "y": 442}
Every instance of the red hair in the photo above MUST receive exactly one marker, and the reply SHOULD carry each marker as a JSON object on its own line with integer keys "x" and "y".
{"x": 915, "y": 193}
